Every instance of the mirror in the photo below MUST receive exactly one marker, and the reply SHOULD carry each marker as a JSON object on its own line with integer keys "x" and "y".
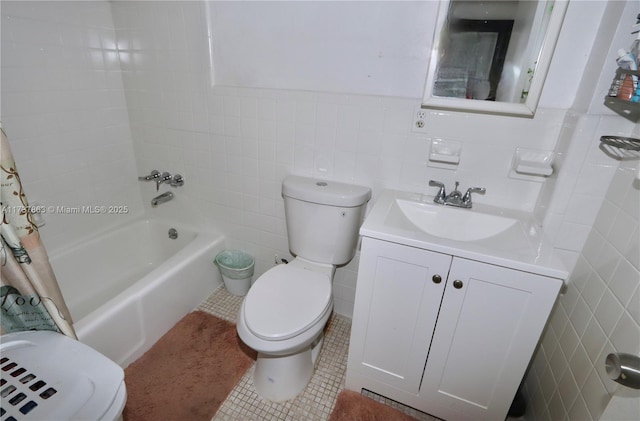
{"x": 492, "y": 56}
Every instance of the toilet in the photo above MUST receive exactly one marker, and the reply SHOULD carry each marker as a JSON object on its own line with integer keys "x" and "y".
{"x": 285, "y": 311}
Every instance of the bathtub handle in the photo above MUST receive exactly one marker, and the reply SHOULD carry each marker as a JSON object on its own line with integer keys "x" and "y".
{"x": 154, "y": 174}
{"x": 166, "y": 177}
{"x": 177, "y": 181}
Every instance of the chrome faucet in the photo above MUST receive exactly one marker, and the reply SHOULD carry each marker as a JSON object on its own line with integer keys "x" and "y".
{"x": 442, "y": 194}
{"x": 466, "y": 199}
{"x": 164, "y": 197}
{"x": 165, "y": 177}
{"x": 455, "y": 198}
{"x": 154, "y": 174}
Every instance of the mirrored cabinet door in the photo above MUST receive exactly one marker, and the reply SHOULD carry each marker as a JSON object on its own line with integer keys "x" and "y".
{"x": 492, "y": 56}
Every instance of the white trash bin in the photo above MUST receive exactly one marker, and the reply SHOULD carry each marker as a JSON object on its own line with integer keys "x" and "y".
{"x": 236, "y": 268}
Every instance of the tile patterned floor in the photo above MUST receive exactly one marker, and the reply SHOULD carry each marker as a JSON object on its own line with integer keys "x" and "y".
{"x": 316, "y": 402}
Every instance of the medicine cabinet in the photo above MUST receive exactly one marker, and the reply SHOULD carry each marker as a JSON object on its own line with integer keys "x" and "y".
{"x": 492, "y": 56}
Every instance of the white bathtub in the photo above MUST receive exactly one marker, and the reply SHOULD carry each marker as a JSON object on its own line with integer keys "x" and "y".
{"x": 126, "y": 287}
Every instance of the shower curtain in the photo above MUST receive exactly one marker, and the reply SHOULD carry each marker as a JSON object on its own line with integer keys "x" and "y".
{"x": 29, "y": 293}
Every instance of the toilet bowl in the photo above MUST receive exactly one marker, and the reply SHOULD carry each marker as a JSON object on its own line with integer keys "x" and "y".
{"x": 282, "y": 318}
{"x": 285, "y": 311}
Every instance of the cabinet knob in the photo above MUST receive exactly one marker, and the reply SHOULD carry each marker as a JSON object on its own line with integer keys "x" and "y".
{"x": 436, "y": 279}
{"x": 457, "y": 284}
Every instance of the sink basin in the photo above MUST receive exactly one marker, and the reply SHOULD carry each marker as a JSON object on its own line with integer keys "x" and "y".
{"x": 495, "y": 235}
{"x": 452, "y": 223}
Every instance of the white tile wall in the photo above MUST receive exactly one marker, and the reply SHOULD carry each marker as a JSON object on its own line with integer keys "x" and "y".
{"x": 591, "y": 207}
{"x": 235, "y": 145}
{"x": 572, "y": 198}
{"x": 64, "y": 112}
{"x": 598, "y": 312}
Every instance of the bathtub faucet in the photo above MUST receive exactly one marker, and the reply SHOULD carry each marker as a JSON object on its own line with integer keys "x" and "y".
{"x": 164, "y": 177}
{"x": 164, "y": 197}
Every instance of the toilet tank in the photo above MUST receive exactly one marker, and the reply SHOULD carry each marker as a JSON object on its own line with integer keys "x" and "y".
{"x": 323, "y": 218}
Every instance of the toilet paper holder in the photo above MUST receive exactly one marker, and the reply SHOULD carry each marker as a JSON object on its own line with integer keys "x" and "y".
{"x": 624, "y": 369}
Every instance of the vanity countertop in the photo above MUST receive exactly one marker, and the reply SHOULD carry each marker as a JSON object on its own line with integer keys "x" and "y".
{"x": 522, "y": 246}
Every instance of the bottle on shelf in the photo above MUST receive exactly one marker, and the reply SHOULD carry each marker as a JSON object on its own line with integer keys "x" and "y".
{"x": 626, "y": 60}
{"x": 627, "y": 82}
{"x": 627, "y": 88}
{"x": 635, "y": 50}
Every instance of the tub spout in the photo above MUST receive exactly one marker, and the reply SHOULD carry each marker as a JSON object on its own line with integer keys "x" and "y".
{"x": 164, "y": 197}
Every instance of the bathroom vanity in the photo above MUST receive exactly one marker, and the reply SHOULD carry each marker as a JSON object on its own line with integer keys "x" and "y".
{"x": 448, "y": 326}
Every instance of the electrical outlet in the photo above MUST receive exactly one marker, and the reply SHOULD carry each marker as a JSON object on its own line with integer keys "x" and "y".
{"x": 418, "y": 122}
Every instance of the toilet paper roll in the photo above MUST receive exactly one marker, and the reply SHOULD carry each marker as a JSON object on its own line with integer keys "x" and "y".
{"x": 624, "y": 369}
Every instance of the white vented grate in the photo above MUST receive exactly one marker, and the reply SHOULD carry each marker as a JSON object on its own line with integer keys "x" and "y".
{"x": 22, "y": 391}
{"x": 48, "y": 376}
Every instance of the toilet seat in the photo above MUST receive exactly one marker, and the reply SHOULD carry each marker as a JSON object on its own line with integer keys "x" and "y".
{"x": 285, "y": 301}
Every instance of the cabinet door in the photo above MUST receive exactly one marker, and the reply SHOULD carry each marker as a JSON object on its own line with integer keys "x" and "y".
{"x": 396, "y": 307}
{"x": 489, "y": 324}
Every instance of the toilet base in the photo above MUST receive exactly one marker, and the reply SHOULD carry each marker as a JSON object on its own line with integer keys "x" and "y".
{"x": 280, "y": 378}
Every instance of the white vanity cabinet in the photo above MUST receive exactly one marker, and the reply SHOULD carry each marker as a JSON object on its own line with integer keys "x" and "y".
{"x": 447, "y": 335}
{"x": 395, "y": 313}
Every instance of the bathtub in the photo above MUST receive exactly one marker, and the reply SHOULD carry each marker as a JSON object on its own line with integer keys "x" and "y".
{"x": 128, "y": 286}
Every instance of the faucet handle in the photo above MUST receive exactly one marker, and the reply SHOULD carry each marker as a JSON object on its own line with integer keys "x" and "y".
{"x": 177, "y": 181}
{"x": 154, "y": 174}
{"x": 439, "y": 197}
{"x": 165, "y": 177}
{"x": 467, "y": 196}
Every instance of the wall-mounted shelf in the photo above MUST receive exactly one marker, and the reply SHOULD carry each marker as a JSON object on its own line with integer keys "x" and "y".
{"x": 531, "y": 164}
{"x": 444, "y": 153}
{"x": 627, "y": 143}
{"x": 620, "y": 148}
{"x": 627, "y": 109}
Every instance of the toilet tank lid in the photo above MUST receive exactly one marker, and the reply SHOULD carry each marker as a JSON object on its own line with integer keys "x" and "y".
{"x": 325, "y": 192}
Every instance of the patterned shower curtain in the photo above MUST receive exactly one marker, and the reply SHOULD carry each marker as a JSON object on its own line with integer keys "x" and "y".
{"x": 29, "y": 293}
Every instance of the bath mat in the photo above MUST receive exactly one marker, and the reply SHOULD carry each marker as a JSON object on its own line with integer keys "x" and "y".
{"x": 188, "y": 373}
{"x": 352, "y": 406}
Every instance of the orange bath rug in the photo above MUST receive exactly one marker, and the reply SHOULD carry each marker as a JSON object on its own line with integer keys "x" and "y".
{"x": 188, "y": 373}
{"x": 352, "y": 406}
